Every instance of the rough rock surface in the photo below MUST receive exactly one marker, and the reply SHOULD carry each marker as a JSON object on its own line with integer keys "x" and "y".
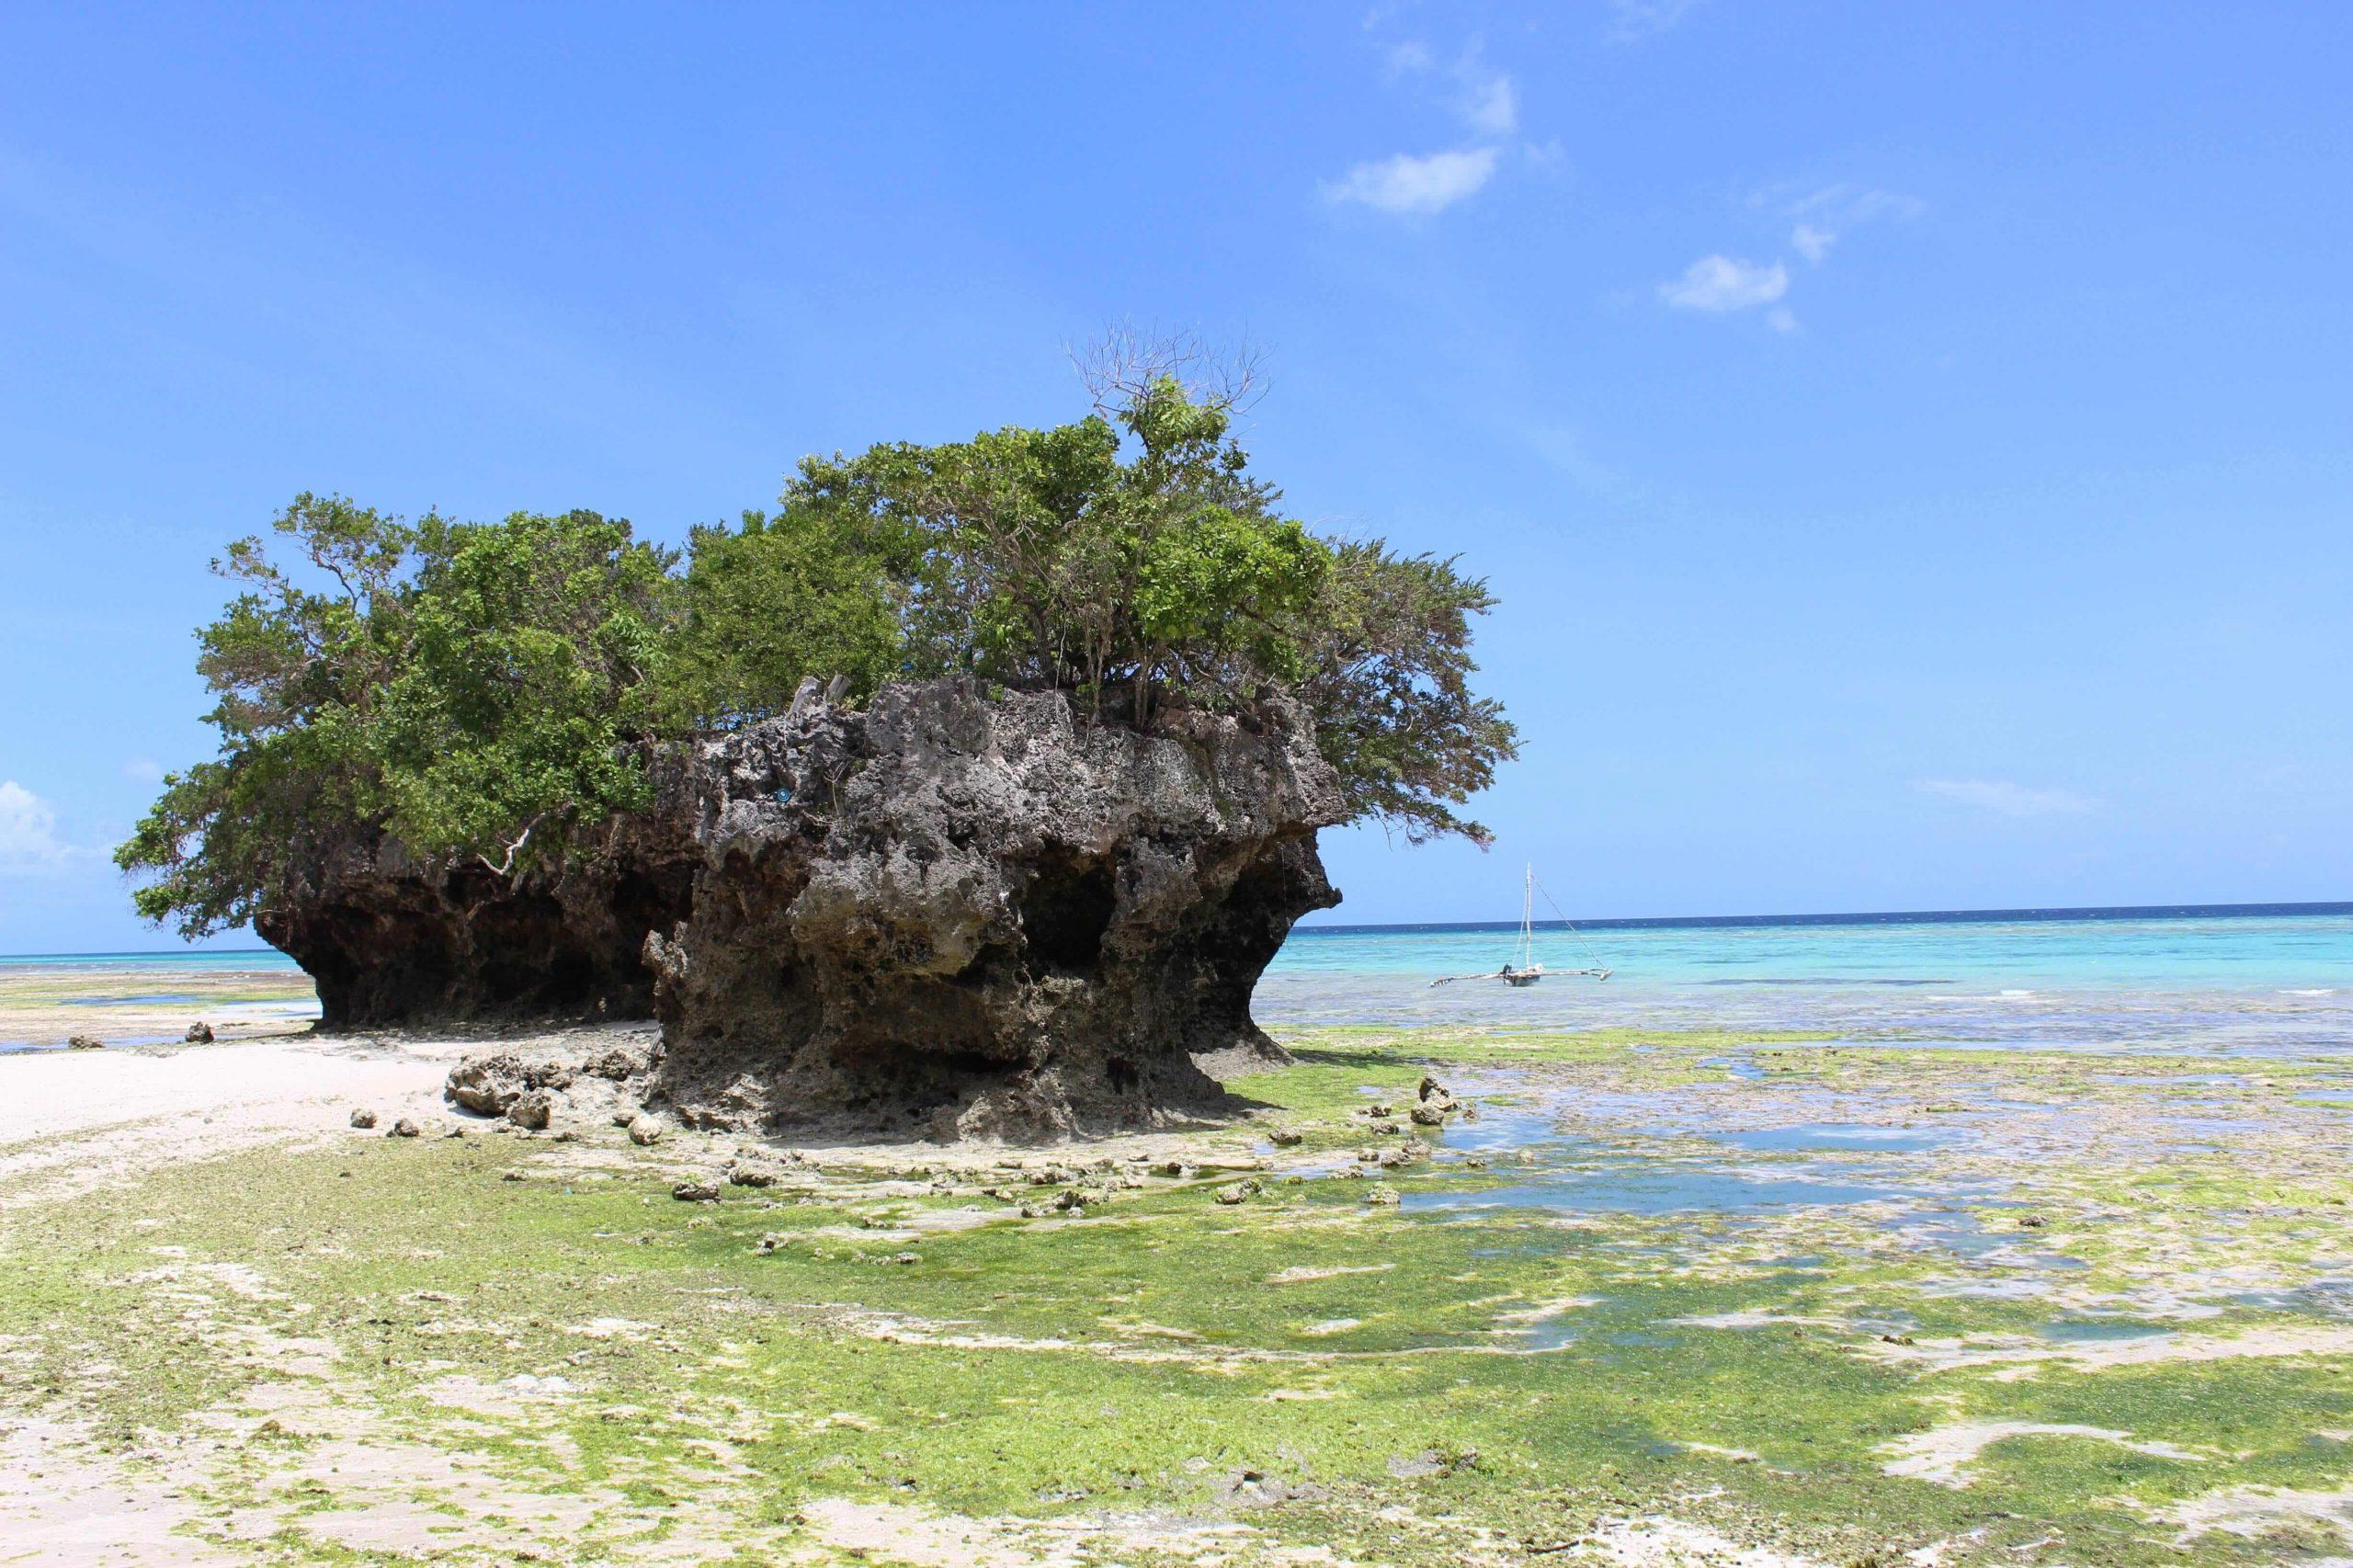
{"x": 391, "y": 940}
{"x": 970, "y": 915}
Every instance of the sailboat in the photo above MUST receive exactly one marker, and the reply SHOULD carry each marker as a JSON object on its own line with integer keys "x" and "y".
{"x": 1528, "y": 971}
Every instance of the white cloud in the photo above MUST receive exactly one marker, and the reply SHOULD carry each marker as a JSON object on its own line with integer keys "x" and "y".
{"x": 1844, "y": 204}
{"x": 143, "y": 770}
{"x": 1724, "y": 283}
{"x": 1490, "y": 104}
{"x": 1781, "y": 319}
{"x": 1631, "y": 19}
{"x": 1410, "y": 56}
{"x": 1484, "y": 96}
{"x": 2009, "y": 800}
{"x": 1811, "y": 243}
{"x": 1410, "y": 185}
{"x": 28, "y": 840}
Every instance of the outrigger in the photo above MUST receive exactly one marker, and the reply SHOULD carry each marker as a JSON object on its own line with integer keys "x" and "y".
{"x": 1527, "y": 972}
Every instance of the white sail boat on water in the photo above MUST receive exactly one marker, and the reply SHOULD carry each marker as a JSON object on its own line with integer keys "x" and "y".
{"x": 1528, "y": 971}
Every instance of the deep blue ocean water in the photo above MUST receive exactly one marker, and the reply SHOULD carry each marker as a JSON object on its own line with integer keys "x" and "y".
{"x": 2252, "y": 978}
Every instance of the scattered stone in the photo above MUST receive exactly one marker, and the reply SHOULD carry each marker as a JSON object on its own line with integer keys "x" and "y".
{"x": 1254, "y": 1489}
{"x": 198, "y": 1033}
{"x": 618, "y": 1064}
{"x": 532, "y": 1110}
{"x": 1377, "y": 1111}
{"x": 2032, "y": 1222}
{"x": 363, "y": 1119}
{"x": 1034, "y": 1211}
{"x": 1169, "y": 1168}
{"x": 1432, "y": 1089}
{"x": 644, "y": 1131}
{"x": 1428, "y": 1116}
{"x": 511, "y": 1176}
{"x": 403, "y": 1127}
{"x": 623, "y": 1118}
{"x": 490, "y": 1085}
{"x": 1237, "y": 1192}
{"x": 1383, "y": 1196}
{"x": 1895, "y": 1339}
{"x": 85, "y": 1042}
{"x": 696, "y": 1192}
{"x": 750, "y": 1175}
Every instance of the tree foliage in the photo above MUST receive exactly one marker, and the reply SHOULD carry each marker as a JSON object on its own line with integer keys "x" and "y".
{"x": 454, "y": 686}
{"x": 485, "y": 691}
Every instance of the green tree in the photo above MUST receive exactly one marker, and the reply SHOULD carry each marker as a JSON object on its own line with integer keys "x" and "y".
{"x": 492, "y": 692}
{"x": 458, "y": 688}
{"x": 1388, "y": 679}
{"x": 799, "y": 593}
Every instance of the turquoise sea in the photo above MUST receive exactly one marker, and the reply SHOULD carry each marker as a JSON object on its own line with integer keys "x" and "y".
{"x": 2250, "y": 979}
{"x": 2260, "y": 979}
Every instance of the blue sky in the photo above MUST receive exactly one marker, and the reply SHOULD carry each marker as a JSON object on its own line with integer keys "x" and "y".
{"x": 1913, "y": 444}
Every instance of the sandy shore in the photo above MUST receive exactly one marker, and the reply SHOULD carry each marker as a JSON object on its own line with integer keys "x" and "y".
{"x": 71, "y": 1121}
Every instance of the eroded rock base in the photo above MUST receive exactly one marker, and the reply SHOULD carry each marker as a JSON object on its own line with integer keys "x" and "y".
{"x": 957, "y": 916}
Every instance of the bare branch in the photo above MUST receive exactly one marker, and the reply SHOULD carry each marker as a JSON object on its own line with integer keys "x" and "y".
{"x": 503, "y": 868}
{"x": 1125, "y": 360}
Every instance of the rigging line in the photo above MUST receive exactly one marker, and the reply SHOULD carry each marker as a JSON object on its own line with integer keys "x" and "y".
{"x": 1569, "y": 923}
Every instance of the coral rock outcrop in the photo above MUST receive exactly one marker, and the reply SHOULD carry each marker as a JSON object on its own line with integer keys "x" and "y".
{"x": 956, "y": 913}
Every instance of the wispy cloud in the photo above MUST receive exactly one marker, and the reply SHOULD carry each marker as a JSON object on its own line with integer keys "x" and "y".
{"x": 2009, "y": 800}
{"x": 1418, "y": 184}
{"x": 1818, "y": 214}
{"x": 1843, "y": 205}
{"x": 1822, "y": 212}
{"x": 28, "y": 840}
{"x": 143, "y": 770}
{"x": 1631, "y": 19}
{"x": 1408, "y": 185}
{"x": 1722, "y": 283}
{"x": 1487, "y": 101}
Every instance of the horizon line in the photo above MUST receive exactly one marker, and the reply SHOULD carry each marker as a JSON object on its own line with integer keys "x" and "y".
{"x": 2034, "y": 912}
{"x": 1890, "y": 916}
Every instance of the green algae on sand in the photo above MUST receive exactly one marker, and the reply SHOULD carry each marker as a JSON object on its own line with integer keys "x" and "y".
{"x": 376, "y": 1348}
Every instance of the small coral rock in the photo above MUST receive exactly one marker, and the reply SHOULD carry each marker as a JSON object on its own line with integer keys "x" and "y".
{"x": 363, "y": 1119}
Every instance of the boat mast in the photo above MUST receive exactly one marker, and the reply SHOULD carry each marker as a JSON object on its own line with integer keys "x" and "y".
{"x": 1527, "y": 919}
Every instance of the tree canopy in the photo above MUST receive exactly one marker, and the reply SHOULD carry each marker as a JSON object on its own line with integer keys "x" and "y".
{"x": 486, "y": 691}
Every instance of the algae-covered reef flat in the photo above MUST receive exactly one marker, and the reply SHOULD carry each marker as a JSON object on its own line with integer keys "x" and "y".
{"x": 1641, "y": 1297}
